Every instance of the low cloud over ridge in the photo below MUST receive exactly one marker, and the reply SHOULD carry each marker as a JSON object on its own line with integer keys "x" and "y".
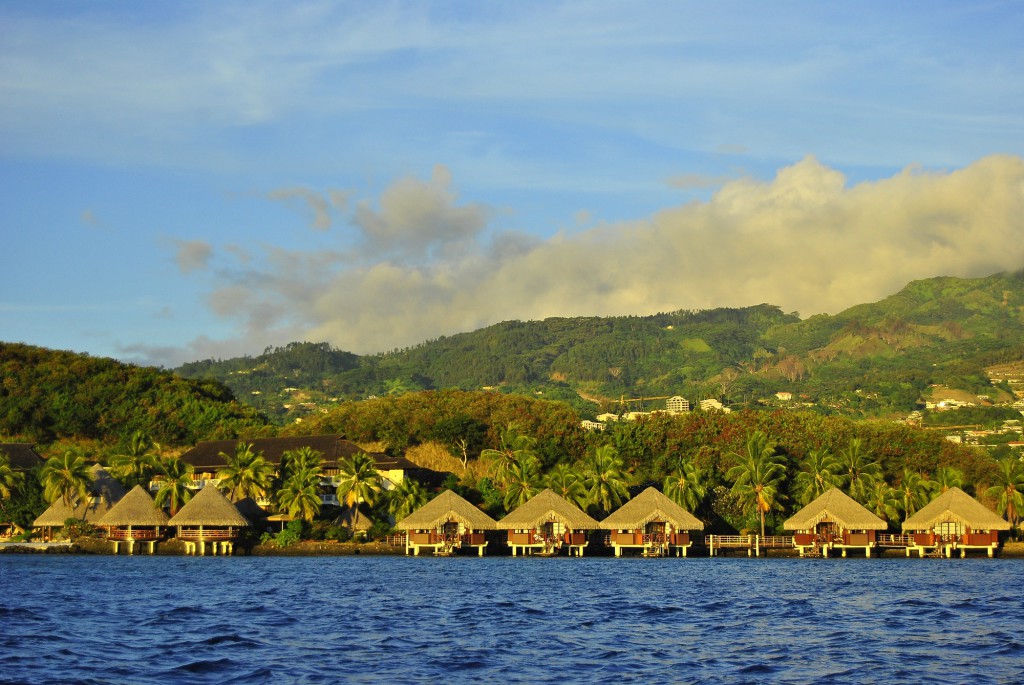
{"x": 804, "y": 240}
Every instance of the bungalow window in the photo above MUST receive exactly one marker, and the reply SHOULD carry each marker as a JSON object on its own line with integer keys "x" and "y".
{"x": 949, "y": 529}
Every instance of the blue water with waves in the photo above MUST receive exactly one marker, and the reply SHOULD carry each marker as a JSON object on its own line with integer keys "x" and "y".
{"x": 82, "y": 619}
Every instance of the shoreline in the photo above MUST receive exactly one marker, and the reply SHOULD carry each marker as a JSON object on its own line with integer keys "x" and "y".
{"x": 315, "y": 548}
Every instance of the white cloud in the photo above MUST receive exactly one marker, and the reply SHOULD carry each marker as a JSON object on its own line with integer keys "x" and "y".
{"x": 805, "y": 240}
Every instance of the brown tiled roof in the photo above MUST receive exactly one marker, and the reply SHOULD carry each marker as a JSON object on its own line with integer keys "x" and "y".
{"x": 22, "y": 455}
{"x": 205, "y": 456}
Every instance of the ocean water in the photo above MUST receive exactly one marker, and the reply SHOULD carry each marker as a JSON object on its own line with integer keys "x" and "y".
{"x": 84, "y": 619}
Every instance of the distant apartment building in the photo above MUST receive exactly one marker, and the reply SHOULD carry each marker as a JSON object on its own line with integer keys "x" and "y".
{"x": 677, "y": 405}
{"x": 592, "y": 425}
{"x": 711, "y": 405}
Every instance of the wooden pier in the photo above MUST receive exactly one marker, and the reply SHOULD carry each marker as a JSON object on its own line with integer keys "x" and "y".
{"x": 753, "y": 544}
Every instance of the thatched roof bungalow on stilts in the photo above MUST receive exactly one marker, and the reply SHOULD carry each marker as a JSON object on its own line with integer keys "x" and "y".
{"x": 954, "y": 521}
{"x": 209, "y": 517}
{"x": 445, "y": 524}
{"x": 547, "y": 522}
{"x": 834, "y": 520}
{"x": 104, "y": 492}
{"x": 652, "y": 523}
{"x": 135, "y": 518}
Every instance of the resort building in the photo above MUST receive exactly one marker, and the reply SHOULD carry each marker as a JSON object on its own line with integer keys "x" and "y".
{"x": 446, "y": 524}
{"x": 135, "y": 518}
{"x": 545, "y": 524}
{"x": 954, "y": 521}
{"x": 209, "y": 517}
{"x": 652, "y": 524}
{"x": 22, "y": 456}
{"x": 104, "y": 492}
{"x": 834, "y": 521}
{"x": 209, "y": 457}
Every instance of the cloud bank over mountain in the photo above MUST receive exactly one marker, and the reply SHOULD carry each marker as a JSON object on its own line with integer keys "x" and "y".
{"x": 419, "y": 261}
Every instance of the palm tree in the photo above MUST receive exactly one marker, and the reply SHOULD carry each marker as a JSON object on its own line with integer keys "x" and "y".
{"x": 818, "y": 475}
{"x": 359, "y": 481}
{"x": 913, "y": 492}
{"x": 883, "y": 501}
{"x": 299, "y": 495}
{"x": 758, "y": 477}
{"x": 1008, "y": 490}
{"x": 247, "y": 473}
{"x": 514, "y": 447}
{"x": 522, "y": 481}
{"x": 946, "y": 477}
{"x": 9, "y": 479}
{"x": 687, "y": 485}
{"x": 407, "y": 497}
{"x": 566, "y": 482}
{"x": 857, "y": 471}
{"x": 605, "y": 479}
{"x": 66, "y": 477}
{"x": 137, "y": 463}
{"x": 175, "y": 479}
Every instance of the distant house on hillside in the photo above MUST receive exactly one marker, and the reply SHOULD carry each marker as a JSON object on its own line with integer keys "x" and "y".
{"x": 784, "y": 396}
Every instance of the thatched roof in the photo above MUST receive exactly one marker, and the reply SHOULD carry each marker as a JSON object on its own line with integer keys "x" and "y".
{"x": 22, "y": 455}
{"x": 835, "y": 505}
{"x": 651, "y": 505}
{"x": 104, "y": 491}
{"x": 208, "y": 507}
{"x": 955, "y": 505}
{"x": 547, "y": 506}
{"x": 136, "y": 508}
{"x": 447, "y": 506}
{"x": 206, "y": 455}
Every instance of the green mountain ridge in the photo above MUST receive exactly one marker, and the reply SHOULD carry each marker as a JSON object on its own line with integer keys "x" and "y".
{"x": 871, "y": 358}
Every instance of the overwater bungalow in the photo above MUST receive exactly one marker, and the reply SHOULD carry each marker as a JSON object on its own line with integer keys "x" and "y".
{"x": 135, "y": 518}
{"x": 954, "y": 521}
{"x": 446, "y": 524}
{"x": 545, "y": 524}
{"x": 209, "y": 517}
{"x": 653, "y": 524}
{"x": 104, "y": 492}
{"x": 834, "y": 521}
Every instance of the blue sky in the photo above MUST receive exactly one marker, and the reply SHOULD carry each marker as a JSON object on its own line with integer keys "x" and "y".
{"x": 192, "y": 180}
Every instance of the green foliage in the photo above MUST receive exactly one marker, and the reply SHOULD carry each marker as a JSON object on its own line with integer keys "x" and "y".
{"x": 48, "y": 395}
{"x": 290, "y": 535}
{"x": 77, "y": 528}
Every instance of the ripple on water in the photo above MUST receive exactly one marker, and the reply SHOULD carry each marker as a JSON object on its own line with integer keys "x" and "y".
{"x": 513, "y": 620}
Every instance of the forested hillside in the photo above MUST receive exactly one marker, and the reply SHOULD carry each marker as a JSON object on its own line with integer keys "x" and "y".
{"x": 872, "y": 359}
{"x": 47, "y": 395}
